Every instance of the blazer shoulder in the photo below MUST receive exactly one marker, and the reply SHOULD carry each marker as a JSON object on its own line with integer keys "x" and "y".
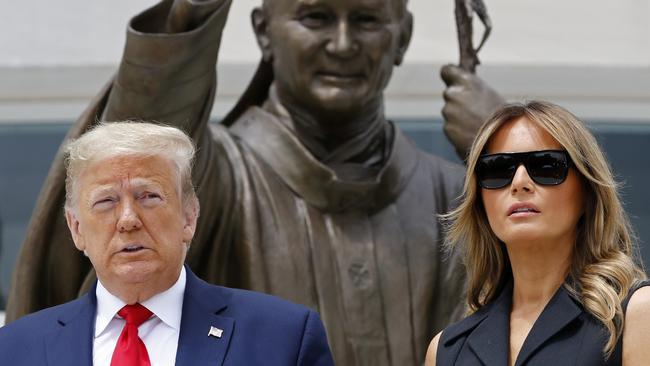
{"x": 291, "y": 327}
{"x": 255, "y": 315}
{"x": 261, "y": 305}
{"x": 463, "y": 326}
{"x": 26, "y": 330}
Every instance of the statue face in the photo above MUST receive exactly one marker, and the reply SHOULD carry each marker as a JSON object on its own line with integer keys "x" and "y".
{"x": 332, "y": 55}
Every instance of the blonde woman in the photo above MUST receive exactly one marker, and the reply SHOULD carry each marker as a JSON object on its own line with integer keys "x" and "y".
{"x": 552, "y": 274}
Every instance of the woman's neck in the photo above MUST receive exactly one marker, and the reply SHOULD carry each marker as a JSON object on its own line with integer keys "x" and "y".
{"x": 538, "y": 270}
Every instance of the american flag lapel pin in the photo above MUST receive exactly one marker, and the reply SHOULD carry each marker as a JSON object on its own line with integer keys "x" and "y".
{"x": 215, "y": 332}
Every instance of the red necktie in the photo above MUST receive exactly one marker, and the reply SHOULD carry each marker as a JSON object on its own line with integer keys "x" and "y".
{"x": 130, "y": 350}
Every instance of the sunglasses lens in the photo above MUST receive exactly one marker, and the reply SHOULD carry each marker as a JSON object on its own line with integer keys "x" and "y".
{"x": 495, "y": 171}
{"x": 548, "y": 167}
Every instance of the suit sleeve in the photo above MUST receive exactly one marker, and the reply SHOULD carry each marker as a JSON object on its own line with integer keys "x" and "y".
{"x": 164, "y": 77}
{"x": 314, "y": 349}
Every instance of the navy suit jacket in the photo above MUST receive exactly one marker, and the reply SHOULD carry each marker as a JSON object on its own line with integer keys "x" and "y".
{"x": 258, "y": 329}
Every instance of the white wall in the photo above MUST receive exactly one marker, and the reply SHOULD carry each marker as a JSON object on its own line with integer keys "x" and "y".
{"x": 55, "y": 54}
{"x": 576, "y": 32}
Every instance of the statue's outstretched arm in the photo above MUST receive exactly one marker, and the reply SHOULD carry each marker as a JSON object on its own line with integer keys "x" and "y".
{"x": 167, "y": 74}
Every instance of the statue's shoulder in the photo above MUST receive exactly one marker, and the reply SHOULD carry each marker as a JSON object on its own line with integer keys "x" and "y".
{"x": 230, "y": 138}
{"x": 248, "y": 123}
{"x": 446, "y": 176}
{"x": 438, "y": 166}
{"x": 220, "y": 133}
{"x": 443, "y": 165}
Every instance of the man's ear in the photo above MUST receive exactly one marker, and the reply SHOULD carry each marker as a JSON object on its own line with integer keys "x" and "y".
{"x": 406, "y": 30}
{"x": 260, "y": 20}
{"x": 191, "y": 217}
{"x": 73, "y": 226}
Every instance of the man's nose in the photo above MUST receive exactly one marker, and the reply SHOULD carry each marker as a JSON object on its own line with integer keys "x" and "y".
{"x": 342, "y": 42}
{"x": 521, "y": 181}
{"x": 129, "y": 219}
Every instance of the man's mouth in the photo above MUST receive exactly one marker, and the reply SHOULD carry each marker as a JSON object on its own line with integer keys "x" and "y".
{"x": 133, "y": 248}
{"x": 339, "y": 76}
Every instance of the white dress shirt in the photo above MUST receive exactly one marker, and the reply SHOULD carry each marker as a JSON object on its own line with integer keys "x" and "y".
{"x": 159, "y": 333}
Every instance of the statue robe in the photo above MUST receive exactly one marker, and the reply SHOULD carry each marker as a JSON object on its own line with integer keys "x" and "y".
{"x": 366, "y": 255}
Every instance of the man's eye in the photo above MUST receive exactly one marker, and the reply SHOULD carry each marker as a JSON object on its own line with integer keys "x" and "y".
{"x": 103, "y": 202}
{"x": 149, "y": 197}
{"x": 315, "y": 19}
{"x": 367, "y": 20}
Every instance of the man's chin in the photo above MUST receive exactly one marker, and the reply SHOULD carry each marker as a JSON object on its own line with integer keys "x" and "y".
{"x": 339, "y": 100}
{"x": 136, "y": 272}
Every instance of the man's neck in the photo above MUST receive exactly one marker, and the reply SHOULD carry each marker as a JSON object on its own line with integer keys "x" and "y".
{"x": 324, "y": 133}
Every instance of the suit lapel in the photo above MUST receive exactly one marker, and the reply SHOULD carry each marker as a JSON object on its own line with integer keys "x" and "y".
{"x": 557, "y": 314}
{"x": 490, "y": 340}
{"x": 201, "y": 306}
{"x": 72, "y": 343}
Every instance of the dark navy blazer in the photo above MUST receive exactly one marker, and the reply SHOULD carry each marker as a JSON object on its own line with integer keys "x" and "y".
{"x": 564, "y": 334}
{"x": 257, "y": 329}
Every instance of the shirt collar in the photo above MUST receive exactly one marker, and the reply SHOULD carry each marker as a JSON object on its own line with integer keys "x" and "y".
{"x": 167, "y": 305}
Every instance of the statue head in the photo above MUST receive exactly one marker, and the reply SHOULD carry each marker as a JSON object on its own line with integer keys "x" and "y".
{"x": 332, "y": 56}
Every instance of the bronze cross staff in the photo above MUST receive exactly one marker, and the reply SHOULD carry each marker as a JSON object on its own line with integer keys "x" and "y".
{"x": 465, "y": 10}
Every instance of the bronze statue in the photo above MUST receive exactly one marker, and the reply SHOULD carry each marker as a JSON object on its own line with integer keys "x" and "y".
{"x": 307, "y": 191}
{"x": 464, "y": 13}
{"x": 468, "y": 99}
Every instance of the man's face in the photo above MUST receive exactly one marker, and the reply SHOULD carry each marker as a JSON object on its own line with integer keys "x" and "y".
{"x": 333, "y": 55}
{"x": 129, "y": 219}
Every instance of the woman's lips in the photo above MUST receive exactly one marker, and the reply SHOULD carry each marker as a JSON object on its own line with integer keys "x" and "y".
{"x": 523, "y": 209}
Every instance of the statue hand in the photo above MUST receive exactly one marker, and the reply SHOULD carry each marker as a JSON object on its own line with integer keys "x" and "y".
{"x": 469, "y": 101}
{"x": 186, "y": 15}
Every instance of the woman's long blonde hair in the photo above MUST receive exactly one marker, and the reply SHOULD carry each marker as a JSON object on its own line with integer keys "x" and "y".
{"x": 605, "y": 259}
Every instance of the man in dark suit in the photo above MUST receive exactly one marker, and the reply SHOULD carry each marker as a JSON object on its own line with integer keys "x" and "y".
{"x": 131, "y": 208}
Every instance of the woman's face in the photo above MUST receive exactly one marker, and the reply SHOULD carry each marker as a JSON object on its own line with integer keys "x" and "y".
{"x": 524, "y": 212}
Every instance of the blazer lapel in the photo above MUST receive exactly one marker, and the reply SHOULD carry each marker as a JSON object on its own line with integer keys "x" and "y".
{"x": 558, "y": 313}
{"x": 72, "y": 343}
{"x": 205, "y": 335}
{"x": 490, "y": 340}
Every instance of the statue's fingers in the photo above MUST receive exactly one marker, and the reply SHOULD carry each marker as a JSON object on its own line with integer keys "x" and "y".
{"x": 453, "y": 92}
{"x": 450, "y": 113}
{"x": 453, "y": 75}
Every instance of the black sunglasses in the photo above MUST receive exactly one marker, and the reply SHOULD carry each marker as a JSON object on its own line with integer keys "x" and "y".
{"x": 545, "y": 167}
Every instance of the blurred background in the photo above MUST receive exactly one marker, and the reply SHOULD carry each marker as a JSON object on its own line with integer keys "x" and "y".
{"x": 591, "y": 56}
